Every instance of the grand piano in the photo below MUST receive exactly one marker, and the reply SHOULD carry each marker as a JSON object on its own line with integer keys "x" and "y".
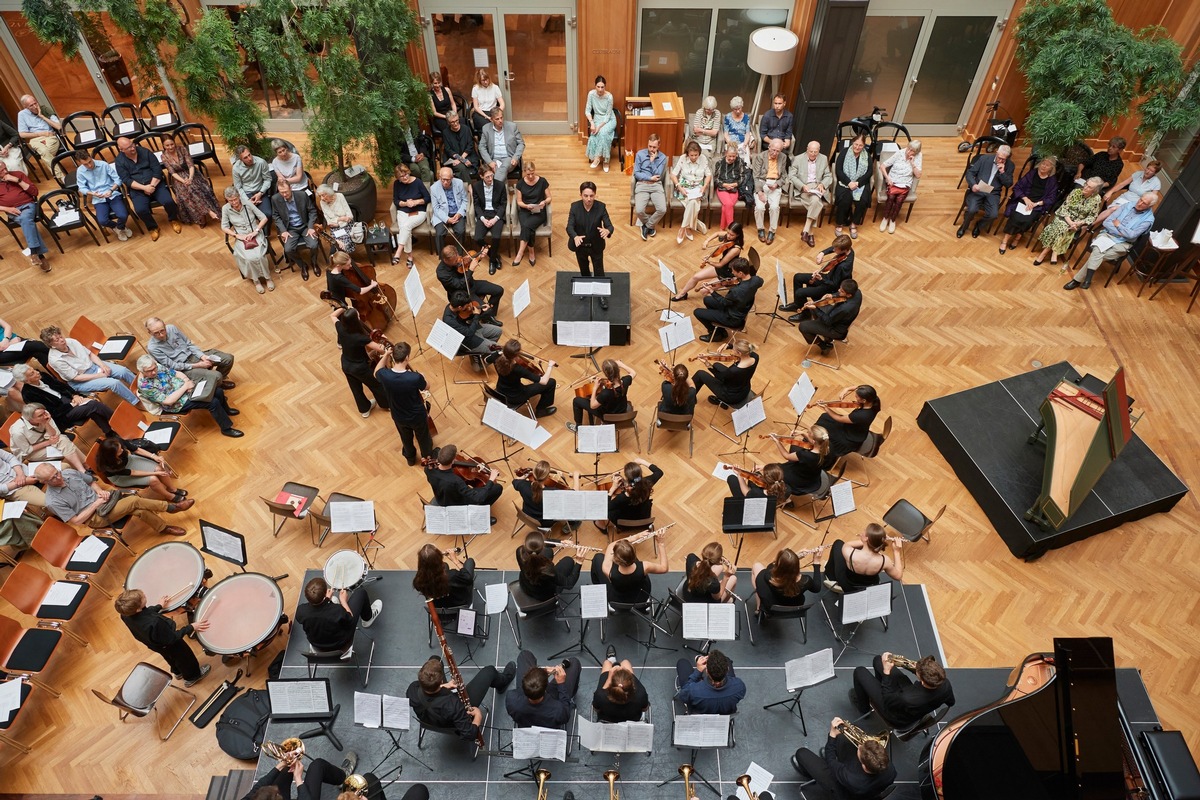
{"x": 1059, "y": 732}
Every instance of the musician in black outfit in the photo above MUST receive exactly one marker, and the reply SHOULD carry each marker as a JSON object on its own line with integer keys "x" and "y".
{"x": 627, "y": 576}
{"x": 823, "y": 325}
{"x": 802, "y": 465}
{"x": 825, "y": 280}
{"x": 436, "y": 702}
{"x": 730, "y": 309}
{"x": 451, "y": 489}
{"x": 479, "y": 336}
{"x": 541, "y": 577}
{"x": 848, "y": 428}
{"x": 446, "y": 586}
{"x": 610, "y": 399}
{"x": 588, "y": 230}
{"x": 410, "y": 412}
{"x": 630, "y": 497}
{"x": 150, "y": 627}
{"x": 338, "y": 284}
{"x": 518, "y": 383}
{"x": 67, "y": 406}
{"x": 357, "y": 350}
{"x": 457, "y": 275}
{"x": 307, "y": 777}
{"x": 490, "y": 202}
{"x": 330, "y": 625}
{"x": 773, "y": 486}
{"x": 730, "y": 385}
{"x": 458, "y": 148}
{"x": 547, "y": 696}
{"x": 620, "y": 696}
{"x": 678, "y": 393}
{"x": 781, "y": 583}
{"x": 898, "y": 700}
{"x": 846, "y": 772}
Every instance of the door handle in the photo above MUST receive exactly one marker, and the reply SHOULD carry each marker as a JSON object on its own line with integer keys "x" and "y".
{"x": 914, "y": 80}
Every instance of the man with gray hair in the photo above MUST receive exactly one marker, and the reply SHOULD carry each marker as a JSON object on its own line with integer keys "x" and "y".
{"x": 987, "y": 177}
{"x": 253, "y": 178}
{"x": 501, "y": 145}
{"x": 35, "y": 437}
{"x": 172, "y": 348}
{"x": 811, "y": 182}
{"x": 770, "y": 182}
{"x": 1119, "y": 232}
{"x": 39, "y": 131}
{"x": 18, "y": 484}
{"x": 142, "y": 172}
{"x": 458, "y": 148}
{"x": 71, "y": 499}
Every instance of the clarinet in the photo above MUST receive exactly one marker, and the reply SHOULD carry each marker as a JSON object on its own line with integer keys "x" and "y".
{"x": 455, "y": 675}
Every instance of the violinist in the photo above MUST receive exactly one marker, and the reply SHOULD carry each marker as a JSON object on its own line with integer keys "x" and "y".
{"x": 629, "y": 497}
{"x": 824, "y": 323}
{"x": 730, "y": 384}
{"x": 339, "y": 285}
{"x": 780, "y": 583}
{"x": 848, "y": 427}
{"x": 726, "y": 246}
{"x": 627, "y": 577}
{"x": 456, "y": 274}
{"x": 710, "y": 577}
{"x": 857, "y": 564}
{"x": 541, "y": 578}
{"x": 834, "y": 265}
{"x": 802, "y": 462}
{"x": 358, "y": 351}
{"x": 530, "y": 487}
{"x": 463, "y": 315}
{"x": 678, "y": 393}
{"x": 452, "y": 489}
{"x": 607, "y": 395}
{"x": 730, "y": 309}
{"x": 443, "y": 578}
{"x": 768, "y": 482}
{"x": 403, "y": 386}
{"x": 519, "y": 381}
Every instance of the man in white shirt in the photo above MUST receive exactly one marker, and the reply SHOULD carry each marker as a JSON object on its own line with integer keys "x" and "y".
{"x": 39, "y": 131}
{"x": 811, "y": 180}
{"x": 770, "y": 180}
{"x": 35, "y": 437}
{"x": 16, "y": 484}
{"x": 84, "y": 370}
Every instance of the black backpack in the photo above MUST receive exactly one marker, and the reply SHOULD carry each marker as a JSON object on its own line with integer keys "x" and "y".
{"x": 240, "y": 729}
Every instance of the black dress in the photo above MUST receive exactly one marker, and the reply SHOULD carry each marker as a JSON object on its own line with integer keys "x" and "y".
{"x": 561, "y": 575}
{"x": 711, "y": 587}
{"x": 356, "y": 365}
{"x": 631, "y": 588}
{"x": 771, "y": 595}
{"x": 531, "y": 196}
{"x": 620, "y": 507}
{"x": 667, "y": 405}
{"x": 804, "y": 475}
{"x": 847, "y": 437}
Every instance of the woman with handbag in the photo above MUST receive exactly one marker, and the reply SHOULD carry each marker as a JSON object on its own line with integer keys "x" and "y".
{"x": 244, "y": 222}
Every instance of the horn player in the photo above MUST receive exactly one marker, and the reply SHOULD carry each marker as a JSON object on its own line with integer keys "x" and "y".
{"x": 898, "y": 699}
{"x": 845, "y": 771}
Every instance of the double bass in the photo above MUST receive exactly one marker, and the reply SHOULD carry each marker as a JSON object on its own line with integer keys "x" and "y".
{"x": 376, "y": 308}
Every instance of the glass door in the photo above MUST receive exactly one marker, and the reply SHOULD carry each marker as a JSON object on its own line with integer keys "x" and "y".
{"x": 69, "y": 85}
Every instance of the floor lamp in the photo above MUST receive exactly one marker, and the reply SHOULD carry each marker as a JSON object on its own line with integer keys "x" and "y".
{"x": 772, "y": 52}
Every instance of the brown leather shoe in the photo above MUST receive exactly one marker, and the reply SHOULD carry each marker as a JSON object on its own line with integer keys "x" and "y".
{"x": 184, "y": 505}
{"x": 175, "y": 226}
{"x": 173, "y": 530}
{"x": 154, "y": 235}
{"x": 227, "y": 385}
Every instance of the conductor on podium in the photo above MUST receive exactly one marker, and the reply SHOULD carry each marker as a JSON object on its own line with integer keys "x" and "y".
{"x": 588, "y": 230}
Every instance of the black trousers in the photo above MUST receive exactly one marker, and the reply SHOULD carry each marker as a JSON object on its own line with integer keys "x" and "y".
{"x": 704, "y": 378}
{"x": 543, "y": 392}
{"x": 580, "y": 405}
{"x": 358, "y": 376}
{"x": 482, "y": 238}
{"x": 868, "y": 687}
{"x": 318, "y": 772}
{"x": 413, "y": 434}
{"x": 181, "y": 660}
{"x": 710, "y": 317}
{"x": 849, "y": 211}
{"x": 585, "y": 254}
{"x": 478, "y": 686}
{"x": 32, "y": 349}
{"x": 802, "y": 292}
{"x": 816, "y": 767}
{"x": 479, "y": 288}
{"x": 141, "y": 205}
{"x": 218, "y": 407}
{"x": 94, "y": 410}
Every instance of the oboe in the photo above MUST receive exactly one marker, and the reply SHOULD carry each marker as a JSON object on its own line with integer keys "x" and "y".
{"x": 456, "y": 676}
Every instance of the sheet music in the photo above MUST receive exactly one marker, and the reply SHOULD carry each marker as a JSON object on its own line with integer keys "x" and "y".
{"x": 15, "y": 347}
{"x": 13, "y": 509}
{"x": 842, "y": 494}
{"x": 670, "y": 315}
{"x": 112, "y": 347}
{"x": 596, "y": 439}
{"x": 457, "y": 520}
{"x": 414, "y": 292}
{"x": 701, "y": 730}
{"x": 780, "y": 284}
{"x": 1023, "y": 209}
{"x": 760, "y": 781}
{"x": 466, "y": 622}
{"x": 695, "y": 620}
{"x": 201, "y": 385}
{"x": 571, "y": 505}
{"x": 809, "y": 670}
{"x": 754, "y": 511}
{"x": 801, "y": 393}
{"x": 695, "y": 193}
{"x": 368, "y": 709}
{"x": 513, "y": 424}
{"x": 66, "y": 216}
{"x": 397, "y": 714}
{"x": 574, "y": 333}
{"x": 160, "y": 436}
{"x": 871, "y": 603}
{"x": 593, "y": 601}
{"x": 520, "y": 299}
{"x": 677, "y": 334}
{"x": 52, "y": 452}
{"x": 90, "y": 549}
{"x": 298, "y": 697}
{"x": 61, "y": 594}
{"x": 444, "y": 339}
{"x": 10, "y": 696}
{"x": 496, "y": 597}
{"x": 196, "y": 148}
{"x": 666, "y": 278}
{"x": 545, "y": 743}
{"x": 222, "y": 544}
{"x": 585, "y": 288}
{"x": 352, "y": 516}
{"x": 619, "y": 737}
{"x": 748, "y": 416}
{"x": 1103, "y": 241}
{"x": 722, "y": 622}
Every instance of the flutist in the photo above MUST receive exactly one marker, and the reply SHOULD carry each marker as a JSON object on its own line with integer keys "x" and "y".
{"x": 846, "y": 772}
{"x": 858, "y": 564}
{"x": 541, "y": 578}
{"x": 897, "y": 699}
{"x": 436, "y": 701}
{"x": 710, "y": 576}
{"x": 628, "y": 577}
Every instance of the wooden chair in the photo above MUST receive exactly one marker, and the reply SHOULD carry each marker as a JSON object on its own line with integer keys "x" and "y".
{"x": 58, "y": 543}
{"x": 281, "y": 509}
{"x": 140, "y": 693}
{"x": 27, "y": 588}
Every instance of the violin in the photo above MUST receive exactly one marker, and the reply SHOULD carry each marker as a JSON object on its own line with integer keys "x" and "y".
{"x": 790, "y": 441}
{"x": 828, "y": 266}
{"x": 614, "y": 484}
{"x": 557, "y": 479}
{"x": 528, "y": 361}
{"x": 728, "y": 357}
{"x": 827, "y": 300}
{"x": 667, "y": 373}
{"x": 716, "y": 255}
{"x": 751, "y": 476}
{"x": 427, "y": 396}
{"x": 586, "y": 388}
{"x": 719, "y": 283}
{"x": 471, "y": 469}
{"x": 470, "y": 259}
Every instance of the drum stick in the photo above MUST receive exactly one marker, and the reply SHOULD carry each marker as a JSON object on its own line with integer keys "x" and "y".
{"x": 170, "y": 598}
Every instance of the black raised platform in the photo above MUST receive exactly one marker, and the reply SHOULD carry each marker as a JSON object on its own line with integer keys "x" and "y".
{"x": 983, "y": 434}
{"x": 570, "y": 308}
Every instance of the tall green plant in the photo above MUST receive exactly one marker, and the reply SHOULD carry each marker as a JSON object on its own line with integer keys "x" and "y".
{"x": 1084, "y": 69}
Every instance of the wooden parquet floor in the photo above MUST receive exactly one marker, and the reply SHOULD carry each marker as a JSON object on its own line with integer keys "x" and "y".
{"x": 940, "y": 315}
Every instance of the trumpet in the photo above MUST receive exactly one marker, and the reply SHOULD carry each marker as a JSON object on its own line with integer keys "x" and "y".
{"x": 355, "y": 784}
{"x": 542, "y": 775}
{"x": 686, "y": 771}
{"x": 858, "y": 737}
{"x": 744, "y": 782}
{"x": 289, "y": 751}
{"x": 901, "y": 661}
{"x": 612, "y": 776}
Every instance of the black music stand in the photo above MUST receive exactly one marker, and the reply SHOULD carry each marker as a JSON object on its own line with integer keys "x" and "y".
{"x": 732, "y": 516}
{"x": 308, "y": 699}
{"x": 565, "y": 601}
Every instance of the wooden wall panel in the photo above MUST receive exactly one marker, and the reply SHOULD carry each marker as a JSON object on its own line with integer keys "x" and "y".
{"x": 803, "y": 15}
{"x": 607, "y": 34}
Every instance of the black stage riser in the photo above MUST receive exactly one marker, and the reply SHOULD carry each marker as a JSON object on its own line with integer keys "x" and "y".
{"x": 570, "y": 308}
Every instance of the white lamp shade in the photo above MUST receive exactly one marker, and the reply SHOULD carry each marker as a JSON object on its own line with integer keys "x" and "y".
{"x": 772, "y": 51}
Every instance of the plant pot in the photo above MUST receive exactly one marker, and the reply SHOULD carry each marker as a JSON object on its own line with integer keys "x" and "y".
{"x": 360, "y": 191}
{"x": 116, "y": 73}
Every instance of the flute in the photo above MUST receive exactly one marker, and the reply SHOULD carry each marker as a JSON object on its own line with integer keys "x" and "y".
{"x": 576, "y": 545}
{"x": 638, "y": 538}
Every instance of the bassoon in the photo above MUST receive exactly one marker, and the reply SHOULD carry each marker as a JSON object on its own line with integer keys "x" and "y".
{"x": 456, "y": 676}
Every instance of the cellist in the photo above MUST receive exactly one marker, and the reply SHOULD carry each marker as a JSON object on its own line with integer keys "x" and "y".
{"x": 357, "y": 352}
{"x": 452, "y": 489}
{"x": 339, "y": 285}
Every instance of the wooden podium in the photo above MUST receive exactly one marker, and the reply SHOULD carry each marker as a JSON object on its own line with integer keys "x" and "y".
{"x": 662, "y": 113}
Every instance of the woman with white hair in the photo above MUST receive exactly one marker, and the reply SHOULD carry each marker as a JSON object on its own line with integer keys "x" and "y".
{"x": 706, "y": 125}
{"x": 67, "y": 406}
{"x": 287, "y": 165}
{"x": 244, "y": 222}
{"x": 737, "y": 128}
{"x": 900, "y": 171}
{"x": 166, "y": 391}
{"x": 691, "y": 177}
{"x": 338, "y": 216}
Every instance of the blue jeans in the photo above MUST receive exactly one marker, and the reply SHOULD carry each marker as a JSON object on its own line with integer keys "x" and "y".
{"x": 112, "y": 213}
{"x": 118, "y": 382}
{"x": 27, "y": 219}
{"x": 141, "y": 205}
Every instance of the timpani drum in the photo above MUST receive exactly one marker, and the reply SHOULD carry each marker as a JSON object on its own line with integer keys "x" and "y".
{"x": 170, "y": 569}
{"x": 346, "y": 569}
{"x": 243, "y": 611}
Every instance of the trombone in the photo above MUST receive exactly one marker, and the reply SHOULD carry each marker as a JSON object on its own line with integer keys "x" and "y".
{"x": 744, "y": 782}
{"x": 542, "y": 775}
{"x": 612, "y": 776}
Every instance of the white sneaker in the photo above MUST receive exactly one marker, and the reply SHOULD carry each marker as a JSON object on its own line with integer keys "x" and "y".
{"x": 122, "y": 236}
{"x": 128, "y": 233}
{"x": 376, "y": 607}
{"x": 892, "y": 226}
{"x": 883, "y": 225}
{"x": 367, "y": 413}
{"x": 270, "y": 286}
{"x": 595, "y": 163}
{"x": 606, "y": 166}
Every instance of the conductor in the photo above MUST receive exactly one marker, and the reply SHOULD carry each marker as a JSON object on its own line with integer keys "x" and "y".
{"x": 588, "y": 229}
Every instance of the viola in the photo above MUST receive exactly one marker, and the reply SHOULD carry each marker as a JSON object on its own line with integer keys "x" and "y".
{"x": 717, "y": 254}
{"x": 527, "y": 360}
{"x": 614, "y": 484}
{"x": 555, "y": 480}
{"x": 427, "y": 396}
{"x": 470, "y": 259}
{"x": 719, "y": 283}
{"x": 728, "y": 358}
{"x": 752, "y": 476}
{"x": 667, "y": 373}
{"x": 471, "y": 469}
{"x": 586, "y": 384}
{"x": 790, "y": 441}
{"x": 827, "y": 300}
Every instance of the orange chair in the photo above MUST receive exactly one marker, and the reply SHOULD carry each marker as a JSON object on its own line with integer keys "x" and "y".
{"x": 8, "y": 423}
{"x": 89, "y": 335}
{"x": 58, "y": 543}
{"x": 26, "y": 651}
{"x": 27, "y": 588}
{"x": 131, "y": 423}
{"x": 5, "y": 724}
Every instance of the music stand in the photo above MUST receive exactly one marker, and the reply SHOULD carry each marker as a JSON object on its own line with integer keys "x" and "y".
{"x": 747, "y": 515}
{"x": 223, "y": 543}
{"x": 780, "y": 300}
{"x": 596, "y": 439}
{"x": 307, "y": 699}
{"x": 873, "y": 602}
{"x": 803, "y": 673}
{"x": 414, "y": 295}
{"x": 744, "y": 420}
{"x": 667, "y": 278}
{"x": 591, "y": 288}
{"x": 356, "y": 517}
{"x": 448, "y": 342}
{"x": 389, "y": 714}
{"x": 676, "y": 333}
{"x": 800, "y": 395}
{"x": 700, "y": 732}
{"x": 593, "y": 606}
{"x": 520, "y": 301}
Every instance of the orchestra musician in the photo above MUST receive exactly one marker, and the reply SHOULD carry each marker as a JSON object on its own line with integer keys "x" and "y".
{"x": 519, "y": 382}
{"x": 730, "y": 309}
{"x": 456, "y": 274}
{"x": 848, "y": 427}
{"x": 328, "y": 624}
{"x": 730, "y": 385}
{"x": 678, "y": 393}
{"x": 629, "y": 497}
{"x": 824, "y": 280}
{"x": 857, "y": 564}
{"x": 708, "y": 685}
{"x": 620, "y": 696}
{"x": 277, "y": 783}
{"x": 452, "y": 489}
{"x": 771, "y": 478}
{"x": 824, "y": 323}
{"x": 436, "y": 702}
{"x": 462, "y": 314}
{"x": 547, "y": 696}
{"x": 845, "y": 772}
{"x": 627, "y": 576}
{"x": 608, "y": 395}
{"x": 531, "y": 483}
{"x": 803, "y": 461}
{"x": 410, "y": 412}
{"x": 338, "y": 284}
{"x": 898, "y": 700}
{"x": 437, "y": 580}
{"x": 541, "y": 577}
{"x": 358, "y": 351}
{"x": 158, "y": 632}
{"x": 781, "y": 583}
{"x": 710, "y": 577}
{"x": 726, "y": 246}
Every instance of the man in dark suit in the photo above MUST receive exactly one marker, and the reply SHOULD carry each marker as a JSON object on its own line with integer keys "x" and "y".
{"x": 845, "y": 772}
{"x": 900, "y": 701}
{"x": 547, "y": 696}
{"x": 827, "y": 323}
{"x": 453, "y": 280}
{"x": 435, "y": 701}
{"x": 986, "y": 179}
{"x": 295, "y": 215}
{"x": 588, "y": 230}
{"x": 67, "y": 406}
{"x": 458, "y": 149}
{"x": 730, "y": 309}
{"x": 490, "y": 199}
{"x": 811, "y": 286}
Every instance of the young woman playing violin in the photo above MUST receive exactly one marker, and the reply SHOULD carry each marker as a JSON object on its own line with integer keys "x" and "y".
{"x": 730, "y": 384}
{"x": 448, "y": 585}
{"x": 678, "y": 391}
{"x": 848, "y": 427}
{"x": 803, "y": 460}
{"x": 764, "y": 481}
{"x": 522, "y": 377}
{"x": 358, "y": 351}
{"x": 710, "y": 576}
{"x": 530, "y": 482}
{"x": 629, "y": 493}
{"x": 726, "y": 246}
{"x": 541, "y": 578}
{"x": 605, "y": 395}
{"x": 859, "y": 562}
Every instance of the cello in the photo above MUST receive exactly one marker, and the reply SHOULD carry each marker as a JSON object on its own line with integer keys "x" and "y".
{"x": 376, "y": 308}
